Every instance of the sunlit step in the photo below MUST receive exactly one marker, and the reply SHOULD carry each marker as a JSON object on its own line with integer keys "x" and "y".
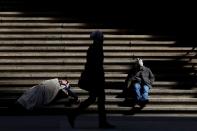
{"x": 53, "y": 30}
{"x": 82, "y": 36}
{"x": 105, "y": 48}
{"x": 87, "y": 42}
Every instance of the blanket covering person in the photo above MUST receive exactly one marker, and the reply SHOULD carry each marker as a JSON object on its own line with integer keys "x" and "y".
{"x": 41, "y": 94}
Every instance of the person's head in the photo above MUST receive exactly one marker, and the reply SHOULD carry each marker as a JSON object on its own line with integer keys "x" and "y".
{"x": 97, "y": 36}
{"x": 65, "y": 83}
{"x": 63, "y": 80}
{"x": 140, "y": 62}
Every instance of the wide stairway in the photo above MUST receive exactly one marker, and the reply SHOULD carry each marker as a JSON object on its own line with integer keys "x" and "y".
{"x": 35, "y": 46}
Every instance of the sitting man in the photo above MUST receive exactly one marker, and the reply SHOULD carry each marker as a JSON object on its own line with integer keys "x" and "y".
{"x": 44, "y": 93}
{"x": 140, "y": 81}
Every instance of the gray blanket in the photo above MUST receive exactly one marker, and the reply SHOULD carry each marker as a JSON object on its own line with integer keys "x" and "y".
{"x": 40, "y": 95}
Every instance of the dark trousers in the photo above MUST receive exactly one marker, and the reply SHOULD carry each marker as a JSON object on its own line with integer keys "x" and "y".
{"x": 101, "y": 104}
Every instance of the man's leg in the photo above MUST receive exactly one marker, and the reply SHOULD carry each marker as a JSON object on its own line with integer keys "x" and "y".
{"x": 83, "y": 105}
{"x": 91, "y": 99}
{"x": 145, "y": 93}
{"x": 102, "y": 112}
{"x": 144, "y": 99}
{"x": 101, "y": 108}
{"x": 137, "y": 92}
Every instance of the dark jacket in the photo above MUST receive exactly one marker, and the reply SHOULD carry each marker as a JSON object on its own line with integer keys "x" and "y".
{"x": 143, "y": 75}
{"x": 92, "y": 78}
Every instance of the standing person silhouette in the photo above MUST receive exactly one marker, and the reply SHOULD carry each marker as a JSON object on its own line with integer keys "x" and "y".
{"x": 93, "y": 80}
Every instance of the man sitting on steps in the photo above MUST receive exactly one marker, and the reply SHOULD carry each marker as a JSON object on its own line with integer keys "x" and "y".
{"x": 140, "y": 83}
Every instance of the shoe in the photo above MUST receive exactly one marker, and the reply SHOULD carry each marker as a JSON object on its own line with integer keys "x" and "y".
{"x": 106, "y": 126}
{"x": 142, "y": 104}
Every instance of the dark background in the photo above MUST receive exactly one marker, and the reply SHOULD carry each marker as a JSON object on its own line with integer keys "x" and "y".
{"x": 152, "y": 17}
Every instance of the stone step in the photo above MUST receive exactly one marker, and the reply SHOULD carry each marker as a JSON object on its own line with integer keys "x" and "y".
{"x": 59, "y": 60}
{"x": 154, "y": 92}
{"x": 70, "y": 74}
{"x": 152, "y": 109}
{"x": 18, "y": 13}
{"x": 159, "y": 85}
{"x": 110, "y": 100}
{"x": 31, "y": 19}
{"x": 153, "y": 101}
{"x": 146, "y": 112}
{"x": 23, "y": 31}
{"x": 114, "y": 97}
{"x": 123, "y": 42}
{"x": 77, "y": 68}
{"x": 129, "y": 55}
{"x": 72, "y": 36}
{"x": 106, "y": 48}
{"x": 45, "y": 60}
{"x": 185, "y": 99}
{"x": 41, "y": 25}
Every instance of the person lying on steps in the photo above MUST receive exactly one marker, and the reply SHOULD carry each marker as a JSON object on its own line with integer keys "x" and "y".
{"x": 44, "y": 93}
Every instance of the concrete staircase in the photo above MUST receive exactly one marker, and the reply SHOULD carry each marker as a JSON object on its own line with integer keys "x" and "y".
{"x": 36, "y": 46}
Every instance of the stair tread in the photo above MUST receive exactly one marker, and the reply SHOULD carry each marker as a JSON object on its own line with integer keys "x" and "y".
{"x": 105, "y": 48}
{"x": 87, "y": 42}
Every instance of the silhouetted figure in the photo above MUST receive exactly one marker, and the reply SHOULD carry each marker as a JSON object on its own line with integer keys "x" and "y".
{"x": 93, "y": 80}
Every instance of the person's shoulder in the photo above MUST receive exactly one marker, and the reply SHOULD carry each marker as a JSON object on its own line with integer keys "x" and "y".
{"x": 147, "y": 68}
